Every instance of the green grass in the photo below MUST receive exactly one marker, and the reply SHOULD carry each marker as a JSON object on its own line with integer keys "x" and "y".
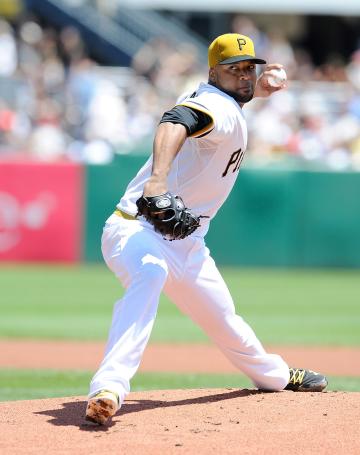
{"x": 32, "y": 384}
{"x": 283, "y": 306}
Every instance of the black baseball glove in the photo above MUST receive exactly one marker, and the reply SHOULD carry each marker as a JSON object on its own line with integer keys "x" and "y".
{"x": 169, "y": 216}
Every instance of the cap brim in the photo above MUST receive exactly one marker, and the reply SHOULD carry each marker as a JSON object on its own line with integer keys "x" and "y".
{"x": 241, "y": 58}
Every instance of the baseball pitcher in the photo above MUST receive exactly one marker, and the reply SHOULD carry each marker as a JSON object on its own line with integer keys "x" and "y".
{"x": 154, "y": 241}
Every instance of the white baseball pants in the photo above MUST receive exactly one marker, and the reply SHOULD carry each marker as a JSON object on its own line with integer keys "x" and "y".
{"x": 146, "y": 264}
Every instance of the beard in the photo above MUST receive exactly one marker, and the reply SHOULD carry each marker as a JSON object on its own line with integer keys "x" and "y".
{"x": 237, "y": 96}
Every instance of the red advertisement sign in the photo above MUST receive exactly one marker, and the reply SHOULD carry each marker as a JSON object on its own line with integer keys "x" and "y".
{"x": 40, "y": 212}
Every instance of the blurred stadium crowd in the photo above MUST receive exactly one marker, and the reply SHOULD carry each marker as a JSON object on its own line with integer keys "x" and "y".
{"x": 56, "y": 103}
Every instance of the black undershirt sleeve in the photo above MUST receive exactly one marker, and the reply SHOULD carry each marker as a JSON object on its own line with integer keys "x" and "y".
{"x": 192, "y": 119}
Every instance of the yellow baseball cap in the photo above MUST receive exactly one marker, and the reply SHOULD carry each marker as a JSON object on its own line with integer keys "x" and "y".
{"x": 232, "y": 48}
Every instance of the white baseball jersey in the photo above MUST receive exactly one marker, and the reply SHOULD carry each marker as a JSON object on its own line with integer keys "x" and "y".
{"x": 205, "y": 169}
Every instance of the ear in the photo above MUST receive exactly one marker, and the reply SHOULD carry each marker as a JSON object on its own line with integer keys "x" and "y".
{"x": 212, "y": 77}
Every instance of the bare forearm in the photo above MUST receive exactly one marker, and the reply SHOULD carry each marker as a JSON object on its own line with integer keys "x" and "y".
{"x": 168, "y": 140}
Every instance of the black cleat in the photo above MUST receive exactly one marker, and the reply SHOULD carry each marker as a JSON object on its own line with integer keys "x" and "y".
{"x": 306, "y": 381}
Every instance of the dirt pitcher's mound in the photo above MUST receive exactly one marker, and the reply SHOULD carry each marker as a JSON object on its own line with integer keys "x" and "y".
{"x": 205, "y": 421}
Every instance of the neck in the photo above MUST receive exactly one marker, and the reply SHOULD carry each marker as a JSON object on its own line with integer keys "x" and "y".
{"x": 232, "y": 94}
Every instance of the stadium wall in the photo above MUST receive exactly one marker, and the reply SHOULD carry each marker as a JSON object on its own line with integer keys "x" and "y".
{"x": 41, "y": 211}
{"x": 55, "y": 212}
{"x": 272, "y": 218}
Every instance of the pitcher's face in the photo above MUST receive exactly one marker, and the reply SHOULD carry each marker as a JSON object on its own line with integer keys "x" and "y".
{"x": 236, "y": 79}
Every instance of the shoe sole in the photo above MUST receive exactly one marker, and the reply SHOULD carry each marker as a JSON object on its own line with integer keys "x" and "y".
{"x": 315, "y": 388}
{"x": 99, "y": 410}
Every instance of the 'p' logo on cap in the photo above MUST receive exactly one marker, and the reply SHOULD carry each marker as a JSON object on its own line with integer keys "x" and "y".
{"x": 232, "y": 48}
{"x": 242, "y": 42}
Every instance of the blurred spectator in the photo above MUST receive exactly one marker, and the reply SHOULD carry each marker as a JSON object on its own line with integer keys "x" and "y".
{"x": 71, "y": 45}
{"x": 353, "y": 70}
{"x": 58, "y": 104}
{"x": 279, "y": 50}
{"x": 8, "y": 54}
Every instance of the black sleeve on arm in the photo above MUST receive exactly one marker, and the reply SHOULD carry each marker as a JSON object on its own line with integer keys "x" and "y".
{"x": 192, "y": 119}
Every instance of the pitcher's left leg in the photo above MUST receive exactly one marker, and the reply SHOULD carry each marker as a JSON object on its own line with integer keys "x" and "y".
{"x": 204, "y": 296}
